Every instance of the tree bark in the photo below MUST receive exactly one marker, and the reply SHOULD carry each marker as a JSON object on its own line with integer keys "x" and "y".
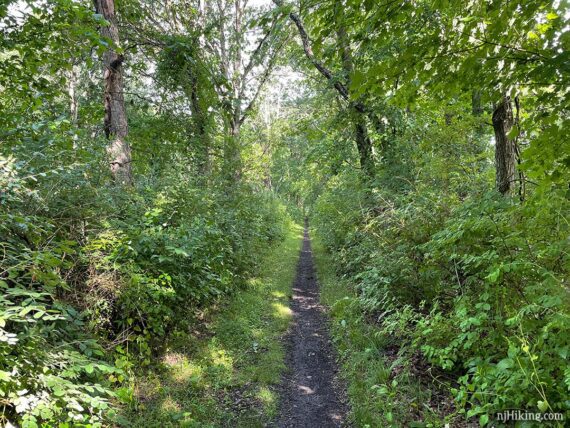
{"x": 72, "y": 91}
{"x": 357, "y": 110}
{"x": 363, "y": 142}
{"x": 200, "y": 123}
{"x": 505, "y": 148}
{"x": 476, "y": 107}
{"x": 116, "y": 127}
{"x": 232, "y": 153}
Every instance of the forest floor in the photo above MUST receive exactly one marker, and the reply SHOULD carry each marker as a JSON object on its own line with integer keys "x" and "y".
{"x": 226, "y": 370}
{"x": 262, "y": 358}
{"x": 310, "y": 394}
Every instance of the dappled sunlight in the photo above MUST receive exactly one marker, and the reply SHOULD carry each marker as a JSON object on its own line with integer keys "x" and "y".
{"x": 221, "y": 358}
{"x": 305, "y": 389}
{"x": 281, "y": 310}
{"x": 174, "y": 358}
{"x": 187, "y": 372}
{"x": 170, "y": 405}
{"x": 255, "y": 282}
{"x": 266, "y": 396}
{"x": 278, "y": 294}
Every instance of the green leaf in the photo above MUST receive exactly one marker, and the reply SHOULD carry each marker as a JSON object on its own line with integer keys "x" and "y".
{"x": 5, "y": 376}
{"x": 505, "y": 364}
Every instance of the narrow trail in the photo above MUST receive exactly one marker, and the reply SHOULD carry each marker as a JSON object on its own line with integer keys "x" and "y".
{"x": 309, "y": 396}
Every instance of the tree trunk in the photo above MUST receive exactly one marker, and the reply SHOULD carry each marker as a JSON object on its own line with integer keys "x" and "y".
{"x": 363, "y": 142}
{"x": 357, "y": 110}
{"x": 199, "y": 119}
{"x": 116, "y": 128}
{"x": 232, "y": 153}
{"x": 476, "y": 107}
{"x": 72, "y": 91}
{"x": 505, "y": 148}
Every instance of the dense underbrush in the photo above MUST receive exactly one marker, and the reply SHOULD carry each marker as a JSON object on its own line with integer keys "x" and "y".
{"x": 93, "y": 278}
{"x": 476, "y": 283}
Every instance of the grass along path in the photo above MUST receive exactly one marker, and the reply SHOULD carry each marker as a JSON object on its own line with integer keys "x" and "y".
{"x": 310, "y": 397}
{"x": 227, "y": 373}
{"x": 384, "y": 387}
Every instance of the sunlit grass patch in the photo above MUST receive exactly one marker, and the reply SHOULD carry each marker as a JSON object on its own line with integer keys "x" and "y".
{"x": 169, "y": 405}
{"x": 226, "y": 376}
{"x": 186, "y": 371}
{"x": 278, "y": 294}
{"x": 282, "y": 310}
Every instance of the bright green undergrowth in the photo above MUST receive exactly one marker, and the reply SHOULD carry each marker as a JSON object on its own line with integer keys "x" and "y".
{"x": 222, "y": 369}
{"x": 381, "y": 389}
{"x": 466, "y": 294}
{"x": 92, "y": 286}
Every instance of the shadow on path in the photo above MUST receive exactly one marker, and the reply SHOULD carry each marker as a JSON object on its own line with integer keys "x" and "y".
{"x": 309, "y": 397}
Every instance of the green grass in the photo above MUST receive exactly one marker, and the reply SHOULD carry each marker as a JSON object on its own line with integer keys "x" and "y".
{"x": 381, "y": 390}
{"x": 223, "y": 372}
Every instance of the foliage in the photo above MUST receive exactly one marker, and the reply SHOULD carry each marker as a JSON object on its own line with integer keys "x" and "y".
{"x": 444, "y": 269}
{"x": 95, "y": 277}
{"x": 382, "y": 386}
{"x": 442, "y": 272}
{"x": 476, "y": 283}
{"x": 130, "y": 275}
{"x": 222, "y": 368}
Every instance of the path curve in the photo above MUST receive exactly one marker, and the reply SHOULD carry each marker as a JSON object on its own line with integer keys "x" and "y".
{"x": 309, "y": 396}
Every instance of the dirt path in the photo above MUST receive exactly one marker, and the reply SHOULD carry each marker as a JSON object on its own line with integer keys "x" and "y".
{"x": 309, "y": 397}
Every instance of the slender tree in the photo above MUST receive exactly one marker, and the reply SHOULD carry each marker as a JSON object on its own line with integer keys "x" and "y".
{"x": 505, "y": 149}
{"x": 116, "y": 127}
{"x": 357, "y": 110}
{"x": 245, "y": 68}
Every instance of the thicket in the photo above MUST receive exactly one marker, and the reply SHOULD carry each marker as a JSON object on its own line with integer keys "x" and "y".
{"x": 445, "y": 266}
{"x": 476, "y": 284}
{"x": 453, "y": 264}
{"x": 95, "y": 275}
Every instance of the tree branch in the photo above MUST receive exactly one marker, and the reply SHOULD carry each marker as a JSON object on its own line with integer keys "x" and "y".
{"x": 342, "y": 90}
{"x": 262, "y": 81}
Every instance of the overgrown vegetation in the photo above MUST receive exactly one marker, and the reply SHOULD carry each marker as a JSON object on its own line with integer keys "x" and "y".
{"x": 95, "y": 275}
{"x": 152, "y": 152}
{"x": 223, "y": 370}
{"x": 460, "y": 281}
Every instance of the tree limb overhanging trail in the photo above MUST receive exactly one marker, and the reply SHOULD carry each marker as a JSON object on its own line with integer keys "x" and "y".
{"x": 309, "y": 396}
{"x": 357, "y": 109}
{"x": 339, "y": 86}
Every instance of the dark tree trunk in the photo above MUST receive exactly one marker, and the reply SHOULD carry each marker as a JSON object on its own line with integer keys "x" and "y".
{"x": 357, "y": 111}
{"x": 476, "y": 107}
{"x": 505, "y": 148}
{"x": 116, "y": 128}
{"x": 363, "y": 143}
{"x": 232, "y": 153}
{"x": 201, "y": 128}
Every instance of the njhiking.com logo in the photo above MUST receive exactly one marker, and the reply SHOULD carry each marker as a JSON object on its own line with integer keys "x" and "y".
{"x": 521, "y": 415}
{"x": 513, "y": 416}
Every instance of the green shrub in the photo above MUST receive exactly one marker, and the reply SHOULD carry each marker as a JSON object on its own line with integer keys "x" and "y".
{"x": 89, "y": 289}
{"x": 478, "y": 285}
